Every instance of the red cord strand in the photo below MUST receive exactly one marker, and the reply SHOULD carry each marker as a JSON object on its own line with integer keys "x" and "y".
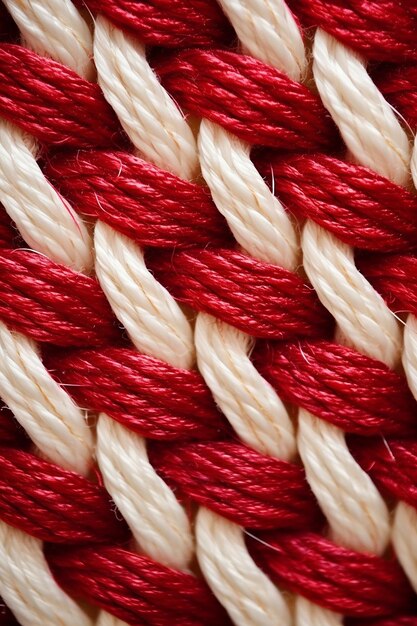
{"x": 254, "y": 101}
{"x": 381, "y": 30}
{"x": 261, "y": 299}
{"x": 249, "y": 488}
{"x": 395, "y": 278}
{"x": 166, "y": 22}
{"x": 399, "y": 86}
{"x": 53, "y": 103}
{"x": 392, "y": 464}
{"x": 135, "y": 588}
{"x": 149, "y": 205}
{"x": 348, "y": 582}
{"x": 359, "y": 206}
{"x": 143, "y": 393}
{"x": 54, "y": 504}
{"x": 340, "y": 385}
{"x": 52, "y": 303}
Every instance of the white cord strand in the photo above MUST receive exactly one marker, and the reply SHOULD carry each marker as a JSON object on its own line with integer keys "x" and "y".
{"x": 231, "y": 572}
{"x": 248, "y": 401}
{"x": 357, "y": 514}
{"x": 55, "y": 31}
{"x": 309, "y": 614}
{"x": 366, "y": 121}
{"x": 46, "y": 221}
{"x": 267, "y": 30}
{"x": 361, "y": 313}
{"x": 264, "y": 230}
{"x": 152, "y": 318}
{"x": 409, "y": 356}
{"x": 404, "y": 539}
{"x": 55, "y": 424}
{"x": 149, "y": 116}
{"x": 141, "y": 495}
{"x": 52, "y": 420}
{"x": 257, "y": 219}
{"x": 105, "y": 619}
{"x": 27, "y": 585}
{"x": 153, "y": 112}
{"x": 157, "y": 327}
{"x": 404, "y": 532}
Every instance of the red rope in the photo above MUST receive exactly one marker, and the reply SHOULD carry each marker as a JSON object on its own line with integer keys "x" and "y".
{"x": 52, "y": 303}
{"x": 261, "y": 299}
{"x": 339, "y": 579}
{"x": 166, "y": 22}
{"x": 359, "y": 206}
{"x": 147, "y": 395}
{"x": 135, "y": 588}
{"x": 250, "y": 99}
{"x": 352, "y": 391}
{"x": 145, "y": 203}
{"x": 53, "y": 103}
{"x": 381, "y": 30}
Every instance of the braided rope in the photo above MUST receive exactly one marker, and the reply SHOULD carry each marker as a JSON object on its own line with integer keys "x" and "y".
{"x": 207, "y": 261}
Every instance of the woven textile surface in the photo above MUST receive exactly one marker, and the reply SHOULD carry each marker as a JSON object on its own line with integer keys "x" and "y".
{"x": 208, "y": 313}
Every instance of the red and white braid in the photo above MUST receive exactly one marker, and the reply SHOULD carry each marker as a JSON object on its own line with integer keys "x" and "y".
{"x": 255, "y": 292}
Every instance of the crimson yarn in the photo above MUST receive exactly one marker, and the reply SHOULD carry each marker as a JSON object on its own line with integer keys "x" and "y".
{"x": 170, "y": 23}
{"x": 337, "y": 578}
{"x": 145, "y": 394}
{"x": 361, "y": 207}
{"x": 135, "y": 588}
{"x": 255, "y": 101}
{"x": 251, "y": 489}
{"x": 52, "y": 102}
{"x": 142, "y": 201}
{"x": 348, "y": 389}
{"x": 381, "y": 30}
{"x": 261, "y": 299}
{"x": 51, "y": 303}
{"x": 55, "y": 504}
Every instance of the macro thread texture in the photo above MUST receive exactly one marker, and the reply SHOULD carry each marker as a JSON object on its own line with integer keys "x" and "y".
{"x": 208, "y": 313}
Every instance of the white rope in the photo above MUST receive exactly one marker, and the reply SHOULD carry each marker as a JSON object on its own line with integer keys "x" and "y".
{"x": 27, "y": 585}
{"x": 149, "y": 116}
{"x": 377, "y": 141}
{"x": 244, "y": 590}
{"x": 152, "y": 318}
{"x": 50, "y": 226}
